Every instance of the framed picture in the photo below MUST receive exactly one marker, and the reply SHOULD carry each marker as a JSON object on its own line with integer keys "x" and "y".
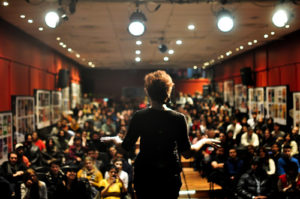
{"x": 240, "y": 97}
{"x": 24, "y": 118}
{"x": 296, "y": 108}
{"x": 56, "y": 106}
{"x": 6, "y": 135}
{"x": 256, "y": 101}
{"x": 276, "y": 104}
{"x": 228, "y": 92}
{"x": 43, "y": 108}
{"x": 75, "y": 94}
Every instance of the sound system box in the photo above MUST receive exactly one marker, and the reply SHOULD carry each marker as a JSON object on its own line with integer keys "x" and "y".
{"x": 246, "y": 75}
{"x": 63, "y": 78}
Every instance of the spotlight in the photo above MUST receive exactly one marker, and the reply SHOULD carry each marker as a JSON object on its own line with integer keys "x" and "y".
{"x": 225, "y": 21}
{"x": 137, "y": 25}
{"x": 52, "y": 19}
{"x": 280, "y": 17}
{"x": 162, "y": 48}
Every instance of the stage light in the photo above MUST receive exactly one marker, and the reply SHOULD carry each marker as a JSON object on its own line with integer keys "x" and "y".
{"x": 52, "y": 19}
{"x": 280, "y": 17}
{"x": 225, "y": 21}
{"x": 162, "y": 48}
{"x": 137, "y": 25}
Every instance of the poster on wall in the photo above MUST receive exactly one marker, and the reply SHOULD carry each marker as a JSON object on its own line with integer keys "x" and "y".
{"x": 256, "y": 101}
{"x": 43, "y": 108}
{"x": 6, "y": 142}
{"x": 228, "y": 92}
{"x": 65, "y": 99}
{"x": 23, "y": 109}
{"x": 276, "y": 104}
{"x": 296, "y": 108}
{"x": 240, "y": 97}
{"x": 76, "y": 94}
{"x": 55, "y": 106}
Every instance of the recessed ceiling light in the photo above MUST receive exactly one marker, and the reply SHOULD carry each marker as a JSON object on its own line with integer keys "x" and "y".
{"x": 178, "y": 42}
{"x": 272, "y": 33}
{"x": 250, "y": 43}
{"x": 78, "y": 55}
{"x": 22, "y": 16}
{"x": 237, "y": 49}
{"x": 138, "y": 42}
{"x": 90, "y": 63}
{"x": 64, "y": 46}
{"x": 70, "y": 49}
{"x": 255, "y": 41}
{"x": 41, "y": 28}
{"x": 30, "y": 21}
{"x": 5, "y": 3}
{"x": 138, "y": 52}
{"x": 57, "y": 38}
{"x": 241, "y": 47}
{"x": 171, "y": 51}
{"x": 195, "y": 67}
{"x": 191, "y": 27}
{"x": 221, "y": 56}
{"x": 166, "y": 58}
{"x": 138, "y": 59}
{"x": 287, "y": 26}
{"x": 266, "y": 36}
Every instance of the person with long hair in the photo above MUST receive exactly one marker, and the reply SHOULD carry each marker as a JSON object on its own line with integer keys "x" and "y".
{"x": 163, "y": 138}
{"x": 32, "y": 187}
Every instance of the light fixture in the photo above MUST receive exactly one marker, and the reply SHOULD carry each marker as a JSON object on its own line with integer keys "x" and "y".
{"x": 241, "y": 47}
{"x": 30, "y": 21}
{"x": 138, "y": 52}
{"x": 22, "y": 16}
{"x": 138, "y": 59}
{"x": 70, "y": 50}
{"x": 162, "y": 48}
{"x": 137, "y": 25}
{"x": 191, "y": 27}
{"x": 138, "y": 42}
{"x": 225, "y": 21}
{"x": 195, "y": 67}
{"x": 255, "y": 41}
{"x": 5, "y": 3}
{"x": 272, "y": 33}
{"x": 266, "y": 36}
{"x": 171, "y": 51}
{"x": 53, "y": 18}
{"x": 250, "y": 43}
{"x": 178, "y": 42}
{"x": 166, "y": 58}
{"x": 78, "y": 55}
{"x": 58, "y": 38}
{"x": 287, "y": 26}
{"x": 41, "y": 28}
{"x": 280, "y": 17}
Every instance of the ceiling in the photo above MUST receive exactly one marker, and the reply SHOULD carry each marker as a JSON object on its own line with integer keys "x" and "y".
{"x": 97, "y": 31}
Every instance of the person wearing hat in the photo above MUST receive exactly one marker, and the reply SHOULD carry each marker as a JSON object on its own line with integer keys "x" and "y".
{"x": 21, "y": 157}
{"x": 255, "y": 183}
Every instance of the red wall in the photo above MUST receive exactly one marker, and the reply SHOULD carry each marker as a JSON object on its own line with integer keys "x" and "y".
{"x": 277, "y": 63}
{"x": 27, "y": 64}
{"x": 190, "y": 86}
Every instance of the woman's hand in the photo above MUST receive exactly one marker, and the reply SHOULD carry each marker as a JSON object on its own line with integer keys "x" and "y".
{"x": 198, "y": 145}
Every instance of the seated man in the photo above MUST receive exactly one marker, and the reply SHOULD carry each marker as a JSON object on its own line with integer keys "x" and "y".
{"x": 286, "y": 158}
{"x": 255, "y": 183}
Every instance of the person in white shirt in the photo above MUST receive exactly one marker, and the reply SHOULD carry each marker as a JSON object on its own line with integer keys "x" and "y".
{"x": 235, "y": 127}
{"x": 252, "y": 121}
{"x": 249, "y": 138}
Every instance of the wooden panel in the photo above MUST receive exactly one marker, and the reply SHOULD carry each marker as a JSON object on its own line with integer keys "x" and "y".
{"x": 19, "y": 79}
{"x": 4, "y": 86}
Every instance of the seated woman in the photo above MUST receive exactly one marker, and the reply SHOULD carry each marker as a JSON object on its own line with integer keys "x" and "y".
{"x": 32, "y": 187}
{"x": 90, "y": 172}
{"x": 113, "y": 186}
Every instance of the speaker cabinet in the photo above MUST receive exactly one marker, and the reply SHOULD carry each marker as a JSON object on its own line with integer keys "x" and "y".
{"x": 246, "y": 75}
{"x": 63, "y": 78}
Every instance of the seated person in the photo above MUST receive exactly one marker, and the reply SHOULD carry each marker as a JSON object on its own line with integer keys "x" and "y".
{"x": 286, "y": 158}
{"x": 113, "y": 186}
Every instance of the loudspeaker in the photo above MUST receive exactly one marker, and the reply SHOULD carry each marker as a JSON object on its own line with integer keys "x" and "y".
{"x": 246, "y": 75}
{"x": 63, "y": 78}
{"x": 206, "y": 90}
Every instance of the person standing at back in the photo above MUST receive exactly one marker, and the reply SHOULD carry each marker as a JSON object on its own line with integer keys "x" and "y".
{"x": 163, "y": 138}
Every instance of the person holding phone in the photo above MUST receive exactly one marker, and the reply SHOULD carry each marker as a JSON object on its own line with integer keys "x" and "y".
{"x": 163, "y": 137}
{"x": 113, "y": 186}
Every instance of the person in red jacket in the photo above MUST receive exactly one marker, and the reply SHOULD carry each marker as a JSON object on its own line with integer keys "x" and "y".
{"x": 38, "y": 142}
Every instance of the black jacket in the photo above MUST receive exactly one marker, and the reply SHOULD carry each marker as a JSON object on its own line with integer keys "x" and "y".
{"x": 247, "y": 186}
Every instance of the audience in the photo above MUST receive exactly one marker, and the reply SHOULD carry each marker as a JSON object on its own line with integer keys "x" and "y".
{"x": 95, "y": 130}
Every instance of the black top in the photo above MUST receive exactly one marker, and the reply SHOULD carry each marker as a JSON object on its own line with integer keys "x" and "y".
{"x": 164, "y": 135}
